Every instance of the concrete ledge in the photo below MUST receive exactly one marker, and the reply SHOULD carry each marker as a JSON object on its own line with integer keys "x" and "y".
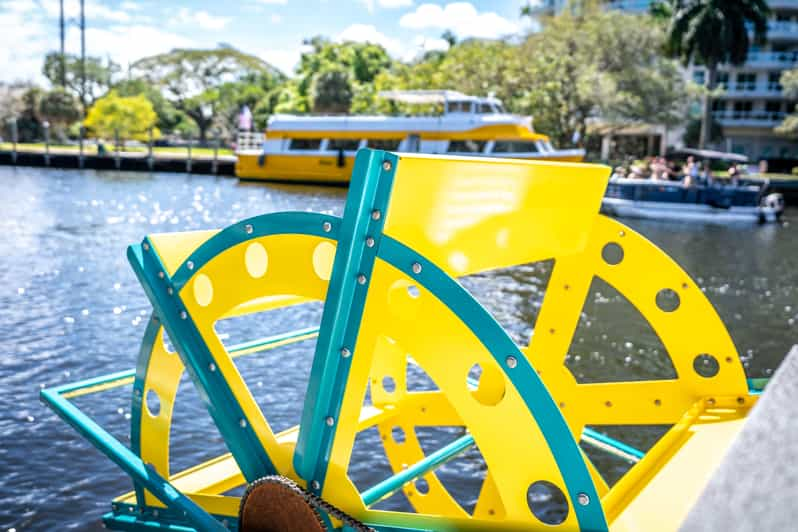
{"x": 756, "y": 486}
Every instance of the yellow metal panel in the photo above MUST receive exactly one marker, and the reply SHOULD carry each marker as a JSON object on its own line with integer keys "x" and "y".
{"x": 174, "y": 248}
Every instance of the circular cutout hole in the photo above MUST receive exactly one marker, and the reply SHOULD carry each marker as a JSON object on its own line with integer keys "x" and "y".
{"x": 323, "y": 257}
{"x": 388, "y": 384}
{"x": 667, "y": 300}
{"x": 547, "y": 502}
{"x": 474, "y": 374}
{"x": 413, "y": 291}
{"x": 706, "y": 365}
{"x": 490, "y": 387}
{"x": 422, "y": 486}
{"x": 256, "y": 260}
{"x": 398, "y": 434}
{"x": 612, "y": 253}
{"x": 153, "y": 403}
{"x": 203, "y": 290}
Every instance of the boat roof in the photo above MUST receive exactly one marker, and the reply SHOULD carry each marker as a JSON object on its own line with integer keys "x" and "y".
{"x": 712, "y": 154}
{"x": 421, "y": 97}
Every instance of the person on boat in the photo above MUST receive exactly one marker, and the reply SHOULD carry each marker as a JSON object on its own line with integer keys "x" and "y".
{"x": 734, "y": 174}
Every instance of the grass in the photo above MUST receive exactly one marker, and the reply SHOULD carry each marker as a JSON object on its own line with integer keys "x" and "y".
{"x": 90, "y": 148}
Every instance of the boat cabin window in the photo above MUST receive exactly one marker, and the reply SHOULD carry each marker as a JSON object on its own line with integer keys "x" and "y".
{"x": 383, "y": 144}
{"x": 459, "y": 107}
{"x": 466, "y": 146}
{"x": 304, "y": 144}
{"x": 514, "y": 146}
{"x": 343, "y": 144}
{"x": 485, "y": 109}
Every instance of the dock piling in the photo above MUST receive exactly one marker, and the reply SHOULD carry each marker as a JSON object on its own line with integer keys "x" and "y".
{"x": 215, "y": 166}
{"x": 116, "y": 147}
{"x": 188, "y": 160}
{"x": 46, "y": 126}
{"x": 149, "y": 149}
{"x": 81, "y": 137}
{"x": 14, "y": 139}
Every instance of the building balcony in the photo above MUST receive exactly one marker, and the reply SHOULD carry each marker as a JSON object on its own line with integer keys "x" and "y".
{"x": 752, "y": 92}
{"x": 757, "y": 119}
{"x": 772, "y": 60}
{"x": 782, "y": 30}
{"x": 776, "y": 5}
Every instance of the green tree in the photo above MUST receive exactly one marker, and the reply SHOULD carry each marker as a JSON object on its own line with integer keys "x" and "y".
{"x": 789, "y": 80}
{"x": 169, "y": 117}
{"x": 192, "y": 79}
{"x": 714, "y": 32}
{"x": 331, "y": 91}
{"x": 99, "y": 75}
{"x": 60, "y": 108}
{"x": 127, "y": 116}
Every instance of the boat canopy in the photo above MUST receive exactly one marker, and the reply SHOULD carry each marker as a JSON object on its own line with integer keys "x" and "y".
{"x": 711, "y": 155}
{"x": 421, "y": 97}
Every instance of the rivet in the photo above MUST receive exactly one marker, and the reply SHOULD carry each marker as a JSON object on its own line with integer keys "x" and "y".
{"x": 657, "y": 402}
{"x": 551, "y": 331}
{"x": 345, "y": 352}
{"x": 567, "y": 287}
{"x": 170, "y": 291}
{"x": 685, "y": 286}
{"x": 621, "y": 233}
{"x": 212, "y": 366}
{"x": 330, "y": 421}
{"x": 562, "y": 405}
{"x": 155, "y": 512}
{"x": 608, "y": 404}
{"x": 386, "y": 165}
{"x": 361, "y": 279}
{"x": 315, "y": 485}
{"x": 369, "y": 242}
{"x": 728, "y": 359}
{"x": 190, "y": 265}
{"x": 243, "y": 423}
{"x": 511, "y": 362}
{"x": 711, "y": 401}
{"x": 146, "y": 246}
{"x": 740, "y": 400}
{"x": 416, "y": 267}
{"x": 161, "y": 275}
{"x": 583, "y": 499}
{"x": 376, "y": 214}
{"x": 183, "y": 315}
{"x": 248, "y": 228}
{"x": 327, "y": 226}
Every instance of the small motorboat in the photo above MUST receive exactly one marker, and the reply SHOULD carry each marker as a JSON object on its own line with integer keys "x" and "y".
{"x": 672, "y": 200}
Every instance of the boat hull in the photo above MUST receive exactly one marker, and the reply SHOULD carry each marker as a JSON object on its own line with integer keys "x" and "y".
{"x": 655, "y": 210}
{"x": 330, "y": 169}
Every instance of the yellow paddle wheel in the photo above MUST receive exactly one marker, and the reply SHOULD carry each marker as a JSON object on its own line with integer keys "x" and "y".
{"x": 387, "y": 274}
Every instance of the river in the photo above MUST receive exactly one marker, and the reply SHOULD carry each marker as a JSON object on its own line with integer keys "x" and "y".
{"x": 71, "y": 308}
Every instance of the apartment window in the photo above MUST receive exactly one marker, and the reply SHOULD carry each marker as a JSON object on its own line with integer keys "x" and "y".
{"x": 514, "y": 146}
{"x": 718, "y": 107}
{"x": 383, "y": 144}
{"x": 723, "y": 80}
{"x": 746, "y": 81}
{"x": 773, "y": 110}
{"x": 699, "y": 76}
{"x": 343, "y": 144}
{"x": 466, "y": 146}
{"x": 774, "y": 81}
{"x": 742, "y": 109}
{"x": 304, "y": 144}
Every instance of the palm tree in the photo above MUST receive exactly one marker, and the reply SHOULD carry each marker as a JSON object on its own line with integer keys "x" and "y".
{"x": 714, "y": 32}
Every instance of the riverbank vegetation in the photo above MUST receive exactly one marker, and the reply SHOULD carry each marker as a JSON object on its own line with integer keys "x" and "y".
{"x": 583, "y": 70}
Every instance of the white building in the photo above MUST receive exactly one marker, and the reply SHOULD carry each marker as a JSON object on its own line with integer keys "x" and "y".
{"x": 753, "y": 103}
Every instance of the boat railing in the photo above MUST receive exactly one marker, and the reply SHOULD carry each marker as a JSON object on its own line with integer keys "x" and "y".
{"x": 249, "y": 141}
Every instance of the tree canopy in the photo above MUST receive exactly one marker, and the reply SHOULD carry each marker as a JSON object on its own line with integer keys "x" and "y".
{"x": 99, "y": 75}
{"x": 789, "y": 80}
{"x": 127, "y": 116}
{"x": 60, "y": 108}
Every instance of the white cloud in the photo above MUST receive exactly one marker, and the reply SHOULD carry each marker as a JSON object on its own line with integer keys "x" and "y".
{"x": 275, "y": 18}
{"x": 285, "y": 60}
{"x": 369, "y": 33}
{"x": 201, "y": 19}
{"x": 393, "y": 4}
{"x": 462, "y": 18}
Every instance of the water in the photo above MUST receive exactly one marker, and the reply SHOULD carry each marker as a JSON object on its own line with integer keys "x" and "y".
{"x": 70, "y": 308}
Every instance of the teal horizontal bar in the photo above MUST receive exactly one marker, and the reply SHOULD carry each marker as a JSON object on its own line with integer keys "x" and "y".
{"x": 438, "y": 458}
{"x": 611, "y": 442}
{"x": 263, "y": 343}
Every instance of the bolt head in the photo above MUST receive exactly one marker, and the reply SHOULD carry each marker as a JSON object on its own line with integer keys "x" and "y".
{"x": 376, "y": 214}
{"x": 243, "y": 423}
{"x": 146, "y": 246}
{"x": 369, "y": 242}
{"x": 346, "y": 353}
{"x": 248, "y": 229}
{"x": 327, "y": 226}
{"x": 315, "y": 485}
{"x": 190, "y": 265}
{"x": 170, "y": 291}
{"x": 416, "y": 267}
{"x": 361, "y": 279}
{"x": 183, "y": 315}
{"x": 583, "y": 499}
{"x": 212, "y": 366}
{"x": 386, "y": 165}
{"x": 330, "y": 421}
{"x": 161, "y": 275}
{"x": 511, "y": 362}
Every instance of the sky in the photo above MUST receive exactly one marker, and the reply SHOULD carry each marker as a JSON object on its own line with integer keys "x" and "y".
{"x": 126, "y": 30}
